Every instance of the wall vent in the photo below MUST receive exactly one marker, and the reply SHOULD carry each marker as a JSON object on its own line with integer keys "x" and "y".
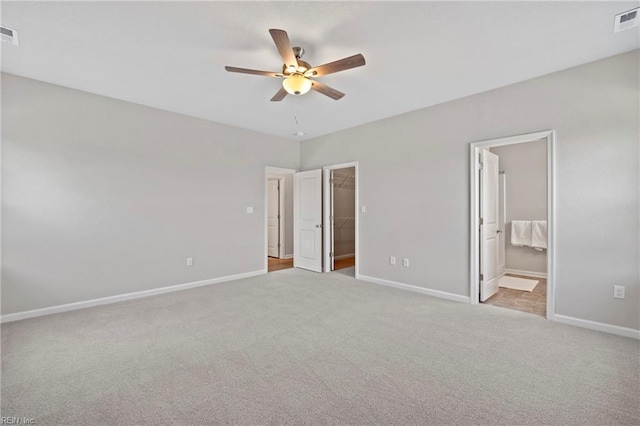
{"x": 626, "y": 20}
{"x": 9, "y": 35}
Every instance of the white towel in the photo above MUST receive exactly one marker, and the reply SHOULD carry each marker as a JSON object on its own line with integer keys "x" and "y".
{"x": 520, "y": 233}
{"x": 539, "y": 234}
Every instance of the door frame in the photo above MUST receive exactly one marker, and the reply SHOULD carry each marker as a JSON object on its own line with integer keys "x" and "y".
{"x": 281, "y": 213}
{"x": 274, "y": 173}
{"x": 474, "y": 207}
{"x": 326, "y": 229}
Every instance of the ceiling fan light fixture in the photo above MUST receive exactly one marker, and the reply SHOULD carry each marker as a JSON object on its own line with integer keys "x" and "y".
{"x": 296, "y": 84}
{"x": 297, "y": 74}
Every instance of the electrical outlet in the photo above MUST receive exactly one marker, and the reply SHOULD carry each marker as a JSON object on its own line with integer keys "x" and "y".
{"x": 189, "y": 261}
{"x": 392, "y": 260}
{"x": 363, "y": 209}
{"x": 405, "y": 262}
{"x": 618, "y": 291}
{"x": 250, "y": 210}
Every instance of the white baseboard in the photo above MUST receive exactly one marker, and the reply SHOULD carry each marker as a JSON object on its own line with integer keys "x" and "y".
{"x": 527, "y": 273}
{"x": 344, "y": 256}
{"x": 598, "y": 326}
{"x": 288, "y": 256}
{"x": 122, "y": 297}
{"x": 416, "y": 289}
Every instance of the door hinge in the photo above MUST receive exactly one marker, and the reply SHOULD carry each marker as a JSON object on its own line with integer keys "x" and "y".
{"x": 480, "y": 165}
{"x": 481, "y": 221}
{"x": 481, "y": 277}
{"x": 330, "y": 254}
{"x": 278, "y": 245}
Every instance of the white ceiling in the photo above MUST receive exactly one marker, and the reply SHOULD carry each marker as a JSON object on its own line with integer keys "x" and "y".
{"x": 172, "y": 55}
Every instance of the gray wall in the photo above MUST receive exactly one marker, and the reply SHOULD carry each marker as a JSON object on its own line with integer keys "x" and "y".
{"x": 102, "y": 197}
{"x": 525, "y": 167}
{"x": 414, "y": 180}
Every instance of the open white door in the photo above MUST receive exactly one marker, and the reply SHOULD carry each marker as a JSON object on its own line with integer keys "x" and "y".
{"x": 488, "y": 225}
{"x": 307, "y": 211}
{"x": 273, "y": 218}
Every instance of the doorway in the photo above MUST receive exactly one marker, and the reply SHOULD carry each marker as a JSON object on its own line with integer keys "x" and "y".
{"x": 318, "y": 231}
{"x": 340, "y": 215}
{"x": 512, "y": 223}
{"x": 279, "y": 241}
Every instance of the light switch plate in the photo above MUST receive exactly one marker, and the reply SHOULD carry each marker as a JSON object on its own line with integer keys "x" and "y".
{"x": 250, "y": 210}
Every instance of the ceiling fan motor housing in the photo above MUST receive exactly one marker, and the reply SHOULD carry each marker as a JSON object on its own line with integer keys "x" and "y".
{"x": 298, "y": 51}
{"x": 303, "y": 66}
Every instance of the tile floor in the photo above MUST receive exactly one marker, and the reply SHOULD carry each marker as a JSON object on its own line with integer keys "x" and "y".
{"x": 534, "y": 302}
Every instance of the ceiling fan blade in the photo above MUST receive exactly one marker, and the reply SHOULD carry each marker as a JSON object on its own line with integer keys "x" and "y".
{"x": 336, "y": 66}
{"x": 326, "y": 90}
{"x": 281, "y": 39}
{"x": 254, "y": 72}
{"x": 279, "y": 96}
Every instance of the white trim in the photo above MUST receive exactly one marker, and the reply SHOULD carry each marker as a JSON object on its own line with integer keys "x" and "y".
{"x": 288, "y": 256}
{"x": 512, "y": 140}
{"x": 527, "y": 273}
{"x": 270, "y": 170}
{"x": 122, "y": 297}
{"x": 474, "y": 150}
{"x": 344, "y": 256}
{"x": 416, "y": 289}
{"x": 326, "y": 221}
{"x": 599, "y": 326}
{"x": 325, "y": 215}
{"x": 280, "y": 170}
{"x": 281, "y": 212}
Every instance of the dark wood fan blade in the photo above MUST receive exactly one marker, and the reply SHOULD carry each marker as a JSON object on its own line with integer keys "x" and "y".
{"x": 279, "y": 96}
{"x": 326, "y": 90}
{"x": 336, "y": 66}
{"x": 254, "y": 72}
{"x": 281, "y": 39}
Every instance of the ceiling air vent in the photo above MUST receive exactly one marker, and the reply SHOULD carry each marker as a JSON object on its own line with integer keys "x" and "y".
{"x": 626, "y": 20}
{"x": 9, "y": 35}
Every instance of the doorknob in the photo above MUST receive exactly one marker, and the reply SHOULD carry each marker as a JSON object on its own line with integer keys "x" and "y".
{"x": 319, "y": 226}
{"x": 498, "y": 231}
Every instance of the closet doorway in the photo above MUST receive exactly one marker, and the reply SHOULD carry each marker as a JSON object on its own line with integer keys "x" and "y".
{"x": 512, "y": 211}
{"x": 340, "y": 215}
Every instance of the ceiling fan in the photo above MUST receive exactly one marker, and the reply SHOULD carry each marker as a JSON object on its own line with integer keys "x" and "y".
{"x": 298, "y": 75}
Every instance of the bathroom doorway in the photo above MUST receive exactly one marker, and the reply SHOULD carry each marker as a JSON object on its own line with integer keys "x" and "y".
{"x": 512, "y": 215}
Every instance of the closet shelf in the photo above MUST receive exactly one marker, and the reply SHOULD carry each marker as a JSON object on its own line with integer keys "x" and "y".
{"x": 340, "y": 222}
{"x": 344, "y": 181}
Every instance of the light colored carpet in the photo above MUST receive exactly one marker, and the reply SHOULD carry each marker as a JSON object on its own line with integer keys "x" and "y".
{"x": 517, "y": 283}
{"x": 350, "y": 271}
{"x": 297, "y": 347}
